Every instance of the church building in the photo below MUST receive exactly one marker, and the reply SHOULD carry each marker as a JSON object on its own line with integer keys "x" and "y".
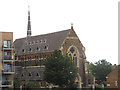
{"x": 31, "y": 51}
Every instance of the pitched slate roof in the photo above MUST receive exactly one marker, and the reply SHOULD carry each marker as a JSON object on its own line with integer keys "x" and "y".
{"x": 40, "y": 43}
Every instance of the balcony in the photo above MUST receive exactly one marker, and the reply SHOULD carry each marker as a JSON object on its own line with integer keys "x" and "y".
{"x": 7, "y": 48}
{"x": 7, "y": 83}
{"x": 8, "y": 58}
{"x": 8, "y": 71}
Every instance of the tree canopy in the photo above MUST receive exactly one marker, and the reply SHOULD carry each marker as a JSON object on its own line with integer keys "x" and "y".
{"x": 17, "y": 83}
{"x": 100, "y": 69}
{"x": 60, "y": 70}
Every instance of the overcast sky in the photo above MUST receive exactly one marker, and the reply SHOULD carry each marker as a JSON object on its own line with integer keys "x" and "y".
{"x": 94, "y": 21}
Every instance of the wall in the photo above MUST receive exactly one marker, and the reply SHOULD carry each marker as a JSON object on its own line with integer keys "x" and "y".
{"x": 112, "y": 77}
{"x": 6, "y": 36}
{"x": 73, "y": 40}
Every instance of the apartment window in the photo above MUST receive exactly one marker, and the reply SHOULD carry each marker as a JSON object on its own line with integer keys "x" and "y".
{"x": 8, "y": 68}
{"x": 116, "y": 84}
{"x": 7, "y": 44}
{"x": 7, "y": 53}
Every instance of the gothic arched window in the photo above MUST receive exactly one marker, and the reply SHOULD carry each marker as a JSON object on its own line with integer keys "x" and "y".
{"x": 73, "y": 53}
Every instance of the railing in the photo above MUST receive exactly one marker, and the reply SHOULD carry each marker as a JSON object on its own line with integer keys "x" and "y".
{"x": 8, "y": 71}
{"x": 8, "y": 57}
{"x": 7, "y": 83}
{"x": 7, "y": 47}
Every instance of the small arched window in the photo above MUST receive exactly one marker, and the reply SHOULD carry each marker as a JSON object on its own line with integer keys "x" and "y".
{"x": 30, "y": 50}
{"x": 22, "y": 75}
{"x": 46, "y": 47}
{"x": 38, "y": 75}
{"x": 37, "y": 48}
{"x": 23, "y": 50}
{"x": 44, "y": 40}
{"x": 30, "y": 74}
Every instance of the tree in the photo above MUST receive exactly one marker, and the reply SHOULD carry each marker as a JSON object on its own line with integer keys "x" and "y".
{"x": 60, "y": 70}
{"x": 100, "y": 69}
{"x": 17, "y": 83}
{"x": 32, "y": 84}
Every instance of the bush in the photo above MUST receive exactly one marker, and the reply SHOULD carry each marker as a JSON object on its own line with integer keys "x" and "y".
{"x": 97, "y": 87}
{"x": 17, "y": 83}
{"x": 31, "y": 84}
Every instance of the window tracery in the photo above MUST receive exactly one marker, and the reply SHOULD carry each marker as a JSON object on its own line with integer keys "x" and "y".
{"x": 73, "y": 53}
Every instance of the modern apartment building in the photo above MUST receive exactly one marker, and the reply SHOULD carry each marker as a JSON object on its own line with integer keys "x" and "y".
{"x": 6, "y": 60}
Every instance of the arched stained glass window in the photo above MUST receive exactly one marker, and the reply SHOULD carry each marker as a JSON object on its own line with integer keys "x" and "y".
{"x": 73, "y": 53}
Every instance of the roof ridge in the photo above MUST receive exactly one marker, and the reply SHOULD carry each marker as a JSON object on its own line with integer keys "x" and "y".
{"x": 51, "y": 33}
{"x": 44, "y": 34}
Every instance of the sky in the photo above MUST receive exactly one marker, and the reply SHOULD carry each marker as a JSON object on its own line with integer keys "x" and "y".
{"x": 94, "y": 21}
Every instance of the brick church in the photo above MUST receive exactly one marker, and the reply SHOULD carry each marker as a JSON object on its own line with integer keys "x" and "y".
{"x": 31, "y": 51}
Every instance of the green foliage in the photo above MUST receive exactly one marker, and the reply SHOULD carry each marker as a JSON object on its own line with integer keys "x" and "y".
{"x": 97, "y": 87}
{"x": 60, "y": 70}
{"x": 100, "y": 69}
{"x": 32, "y": 84}
{"x": 17, "y": 83}
{"x": 29, "y": 84}
{"x": 104, "y": 83}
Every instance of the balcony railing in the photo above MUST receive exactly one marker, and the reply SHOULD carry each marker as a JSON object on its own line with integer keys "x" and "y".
{"x": 7, "y": 83}
{"x": 7, "y": 47}
{"x": 8, "y": 58}
{"x": 8, "y": 71}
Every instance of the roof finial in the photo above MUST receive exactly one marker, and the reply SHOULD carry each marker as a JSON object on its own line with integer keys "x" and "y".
{"x": 71, "y": 25}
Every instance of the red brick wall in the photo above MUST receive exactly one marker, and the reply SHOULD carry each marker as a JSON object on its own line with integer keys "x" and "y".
{"x": 112, "y": 77}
